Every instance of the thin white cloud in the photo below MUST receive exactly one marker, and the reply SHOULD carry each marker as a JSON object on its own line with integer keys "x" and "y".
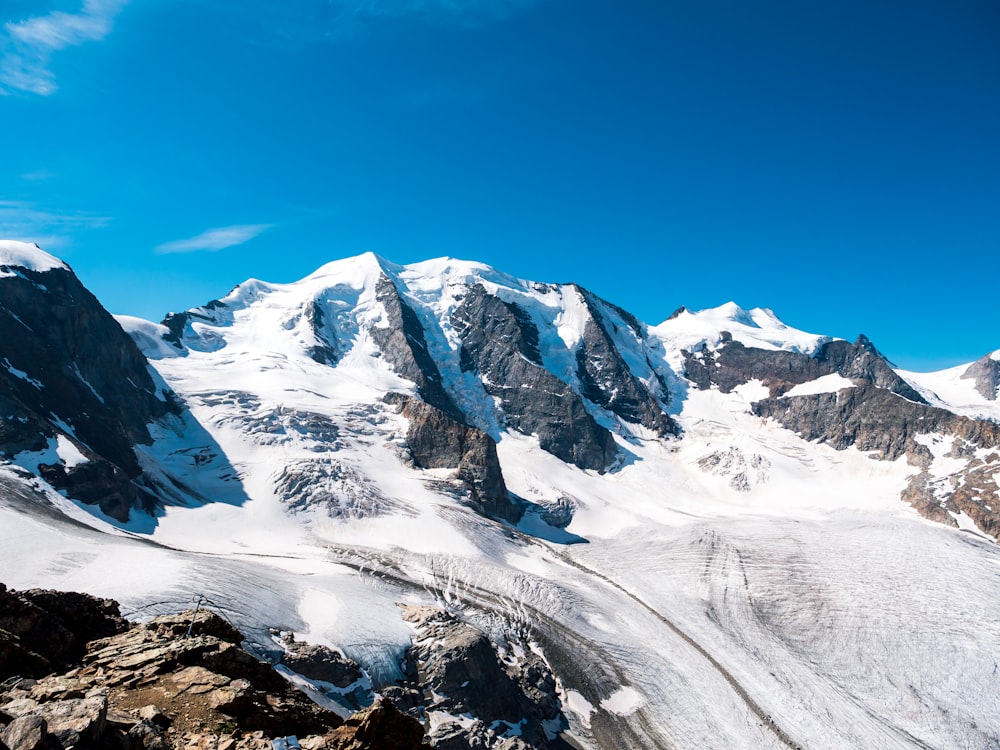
{"x": 27, "y": 46}
{"x": 215, "y": 239}
{"x": 50, "y": 229}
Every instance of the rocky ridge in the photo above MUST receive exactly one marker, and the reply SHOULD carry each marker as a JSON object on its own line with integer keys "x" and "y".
{"x": 878, "y": 413}
{"x": 76, "y": 394}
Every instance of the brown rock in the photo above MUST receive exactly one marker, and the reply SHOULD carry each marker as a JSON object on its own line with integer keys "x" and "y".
{"x": 380, "y": 726}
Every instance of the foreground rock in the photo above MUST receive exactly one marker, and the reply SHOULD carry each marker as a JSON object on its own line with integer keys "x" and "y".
{"x": 46, "y": 631}
{"x": 179, "y": 681}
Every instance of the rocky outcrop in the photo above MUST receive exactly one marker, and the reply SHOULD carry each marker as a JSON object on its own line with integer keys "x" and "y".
{"x": 179, "y": 681}
{"x": 500, "y": 344}
{"x": 380, "y": 726}
{"x": 734, "y": 364}
{"x": 986, "y": 373}
{"x": 403, "y": 344}
{"x": 180, "y": 328}
{"x": 478, "y": 696}
{"x": 606, "y": 379}
{"x": 72, "y": 382}
{"x": 872, "y": 419}
{"x": 318, "y": 662}
{"x": 436, "y": 441}
{"x": 861, "y": 360}
{"x": 46, "y": 631}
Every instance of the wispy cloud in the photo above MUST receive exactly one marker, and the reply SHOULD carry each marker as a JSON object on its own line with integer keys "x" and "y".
{"x": 50, "y": 229}
{"x": 27, "y": 46}
{"x": 215, "y": 239}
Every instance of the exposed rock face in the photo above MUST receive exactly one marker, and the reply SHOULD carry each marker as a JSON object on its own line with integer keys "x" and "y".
{"x": 875, "y": 419}
{"x": 319, "y": 663}
{"x": 862, "y": 360}
{"x": 180, "y": 324}
{"x": 986, "y": 373}
{"x": 437, "y": 441}
{"x": 404, "y": 346}
{"x": 459, "y": 671}
{"x": 605, "y": 378}
{"x": 500, "y": 343}
{"x": 733, "y": 365}
{"x": 70, "y": 374}
{"x": 881, "y": 413}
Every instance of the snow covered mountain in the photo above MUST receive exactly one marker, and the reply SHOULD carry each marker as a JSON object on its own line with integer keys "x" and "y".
{"x": 709, "y": 530}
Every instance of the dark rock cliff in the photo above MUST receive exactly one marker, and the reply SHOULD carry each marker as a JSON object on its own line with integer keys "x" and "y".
{"x": 403, "y": 344}
{"x": 500, "y": 343}
{"x": 606, "y": 379}
{"x": 436, "y": 441}
{"x": 67, "y": 368}
{"x": 458, "y": 669}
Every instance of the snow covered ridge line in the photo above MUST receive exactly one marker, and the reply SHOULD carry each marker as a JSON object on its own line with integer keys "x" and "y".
{"x": 26, "y": 255}
{"x": 496, "y": 357}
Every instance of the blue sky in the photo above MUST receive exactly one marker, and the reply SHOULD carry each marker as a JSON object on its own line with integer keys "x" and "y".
{"x": 837, "y": 161}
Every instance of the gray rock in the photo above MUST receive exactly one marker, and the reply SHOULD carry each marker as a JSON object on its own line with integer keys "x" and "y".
{"x": 606, "y": 379}
{"x": 25, "y": 733}
{"x": 500, "y": 343}
{"x": 321, "y": 663}
{"x": 460, "y": 671}
{"x": 986, "y": 373}
{"x": 146, "y": 735}
{"x": 403, "y": 344}
{"x": 436, "y": 441}
{"x": 76, "y": 723}
{"x": 733, "y": 365}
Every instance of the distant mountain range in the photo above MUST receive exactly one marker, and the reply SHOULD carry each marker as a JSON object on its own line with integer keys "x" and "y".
{"x": 540, "y": 463}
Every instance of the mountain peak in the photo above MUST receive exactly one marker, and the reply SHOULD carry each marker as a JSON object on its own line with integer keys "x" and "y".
{"x": 28, "y": 255}
{"x": 756, "y": 328}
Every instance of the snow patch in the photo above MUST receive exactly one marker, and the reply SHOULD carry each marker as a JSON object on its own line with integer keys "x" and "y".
{"x": 21, "y": 374}
{"x": 831, "y": 383}
{"x": 624, "y": 701}
{"x": 579, "y": 705}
